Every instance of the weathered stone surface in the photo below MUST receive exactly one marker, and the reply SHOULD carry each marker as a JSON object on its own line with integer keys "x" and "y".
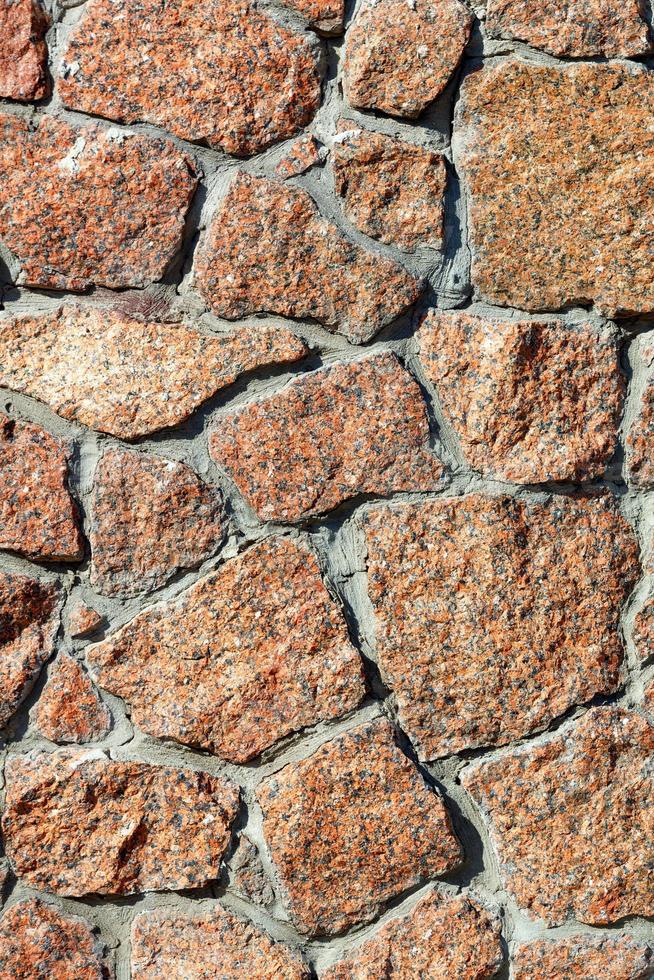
{"x": 571, "y": 819}
{"x": 529, "y": 401}
{"x": 84, "y": 205}
{"x": 340, "y": 431}
{"x": 248, "y": 877}
{"x": 29, "y": 620}
{"x": 38, "y": 941}
{"x": 401, "y": 54}
{"x": 77, "y": 823}
{"x": 4, "y": 876}
{"x": 640, "y": 437}
{"x": 584, "y": 958}
{"x": 24, "y": 54}
{"x": 358, "y": 811}
{"x": 268, "y": 249}
{"x": 84, "y": 620}
{"x": 69, "y": 709}
{"x": 150, "y": 518}
{"x": 38, "y": 517}
{"x": 572, "y": 28}
{"x": 559, "y": 165}
{"x": 249, "y": 654}
{"x": 214, "y": 944}
{"x": 496, "y": 615}
{"x": 223, "y": 72}
{"x": 643, "y": 632}
{"x": 325, "y": 15}
{"x": 126, "y": 377}
{"x": 391, "y": 190}
{"x": 304, "y": 154}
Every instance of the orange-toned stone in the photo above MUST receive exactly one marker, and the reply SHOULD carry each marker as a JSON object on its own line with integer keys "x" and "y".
{"x": 442, "y": 937}
{"x": 268, "y": 249}
{"x": 77, "y": 823}
{"x": 571, "y": 819}
{"x": 529, "y": 401}
{"x": 24, "y": 53}
{"x": 401, "y": 54}
{"x": 559, "y": 166}
{"x": 69, "y": 709}
{"x": 38, "y": 517}
{"x": 38, "y": 941}
{"x": 325, "y": 15}
{"x": 249, "y": 654}
{"x": 340, "y": 431}
{"x": 83, "y": 205}
{"x": 124, "y": 376}
{"x": 222, "y": 72}
{"x": 29, "y": 620}
{"x": 216, "y": 943}
{"x": 352, "y": 826}
{"x": 572, "y": 28}
{"x": 84, "y": 620}
{"x": 485, "y": 626}
{"x": 584, "y": 958}
{"x": 391, "y": 190}
{"x": 640, "y": 437}
{"x": 304, "y": 154}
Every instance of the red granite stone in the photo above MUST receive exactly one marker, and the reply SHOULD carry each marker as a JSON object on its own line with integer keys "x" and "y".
{"x": 83, "y": 620}
{"x": 325, "y": 15}
{"x": 24, "y": 52}
{"x": 69, "y": 709}
{"x": 302, "y": 156}
{"x": 584, "y": 958}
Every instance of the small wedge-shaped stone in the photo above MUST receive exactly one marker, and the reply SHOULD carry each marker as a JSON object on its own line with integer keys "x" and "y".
{"x": 126, "y": 377}
{"x": 325, "y": 15}
{"x": 268, "y": 249}
{"x": 247, "y": 875}
{"x": 83, "y": 205}
{"x": 24, "y": 53}
{"x": 640, "y": 437}
{"x": 251, "y": 653}
{"x": 69, "y": 709}
{"x": 584, "y": 958}
{"x": 83, "y": 620}
{"x": 352, "y": 428}
{"x": 78, "y": 823}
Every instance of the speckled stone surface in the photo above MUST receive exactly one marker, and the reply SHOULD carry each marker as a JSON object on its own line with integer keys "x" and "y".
{"x": 584, "y": 958}
{"x": 38, "y": 517}
{"x": 38, "y": 942}
{"x": 327, "y": 436}
{"x": 640, "y": 437}
{"x": 442, "y": 938}
{"x": 528, "y": 401}
{"x": 215, "y": 944}
{"x": 500, "y": 588}
{"x": 77, "y": 823}
{"x": 248, "y": 877}
{"x": 222, "y": 72}
{"x": 249, "y": 654}
{"x": 83, "y": 620}
{"x": 150, "y": 518}
{"x": 325, "y": 15}
{"x": 391, "y": 190}
{"x": 69, "y": 709}
{"x": 643, "y": 632}
{"x": 400, "y": 54}
{"x": 357, "y": 810}
{"x": 84, "y": 205}
{"x": 126, "y": 377}
{"x": 24, "y": 53}
{"x": 268, "y": 249}
{"x": 559, "y": 167}
{"x": 572, "y": 28}
{"x": 29, "y": 620}
{"x": 304, "y": 154}
{"x": 571, "y": 819}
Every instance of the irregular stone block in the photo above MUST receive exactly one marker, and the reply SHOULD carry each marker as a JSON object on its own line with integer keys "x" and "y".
{"x": 485, "y": 626}
{"x": 84, "y": 620}
{"x": 584, "y": 958}
{"x": 304, "y": 154}
{"x": 325, "y": 15}
{"x": 640, "y": 437}
{"x": 643, "y": 633}
{"x": 69, "y": 709}
{"x": 24, "y": 54}
{"x": 248, "y": 877}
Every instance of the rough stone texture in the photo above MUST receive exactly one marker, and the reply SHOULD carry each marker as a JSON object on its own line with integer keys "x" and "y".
{"x": 391, "y": 190}
{"x": 584, "y": 958}
{"x": 640, "y": 437}
{"x": 24, "y": 54}
{"x": 38, "y": 941}
{"x": 120, "y": 375}
{"x": 166, "y": 945}
{"x": 330, "y": 435}
{"x": 29, "y": 620}
{"x": 77, "y": 823}
{"x": 38, "y": 517}
{"x": 150, "y": 518}
{"x": 222, "y": 72}
{"x": 559, "y": 165}
{"x": 251, "y": 653}
{"x": 529, "y": 401}
{"x": 357, "y": 810}
{"x": 325, "y": 15}
{"x": 69, "y": 709}
{"x": 82, "y": 206}
{"x": 442, "y": 937}
{"x": 84, "y": 620}
{"x": 571, "y": 819}
{"x": 572, "y": 28}
{"x": 523, "y": 597}
{"x": 643, "y": 632}
{"x": 304, "y": 154}
{"x": 248, "y": 877}
{"x": 268, "y": 249}
{"x": 400, "y": 54}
